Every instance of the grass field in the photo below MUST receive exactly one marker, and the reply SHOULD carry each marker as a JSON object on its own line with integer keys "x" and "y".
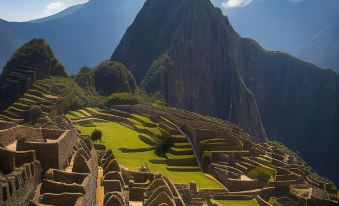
{"x": 237, "y": 202}
{"x": 117, "y": 137}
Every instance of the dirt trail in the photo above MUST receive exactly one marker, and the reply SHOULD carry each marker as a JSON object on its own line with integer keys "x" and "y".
{"x": 100, "y": 188}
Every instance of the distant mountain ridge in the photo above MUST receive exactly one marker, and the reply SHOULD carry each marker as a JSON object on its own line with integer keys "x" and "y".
{"x": 61, "y": 14}
{"x": 83, "y": 37}
{"x": 291, "y": 26}
{"x": 187, "y": 51}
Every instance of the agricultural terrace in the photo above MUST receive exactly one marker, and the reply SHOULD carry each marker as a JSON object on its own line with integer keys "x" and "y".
{"x": 132, "y": 152}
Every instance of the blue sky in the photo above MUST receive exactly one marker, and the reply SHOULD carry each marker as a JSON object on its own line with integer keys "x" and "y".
{"x": 23, "y": 10}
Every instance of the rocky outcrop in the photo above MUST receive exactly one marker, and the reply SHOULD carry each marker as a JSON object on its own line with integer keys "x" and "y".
{"x": 184, "y": 50}
{"x": 188, "y": 51}
{"x": 34, "y": 60}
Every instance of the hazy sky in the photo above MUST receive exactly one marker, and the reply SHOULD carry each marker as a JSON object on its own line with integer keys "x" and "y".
{"x": 23, "y": 10}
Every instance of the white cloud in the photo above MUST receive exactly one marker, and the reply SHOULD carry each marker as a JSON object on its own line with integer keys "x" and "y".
{"x": 235, "y": 3}
{"x": 53, "y": 7}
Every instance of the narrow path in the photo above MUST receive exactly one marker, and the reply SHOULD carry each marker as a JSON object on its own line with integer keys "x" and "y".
{"x": 100, "y": 188}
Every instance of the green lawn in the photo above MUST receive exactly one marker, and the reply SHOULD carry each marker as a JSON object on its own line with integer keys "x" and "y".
{"x": 117, "y": 136}
{"x": 237, "y": 202}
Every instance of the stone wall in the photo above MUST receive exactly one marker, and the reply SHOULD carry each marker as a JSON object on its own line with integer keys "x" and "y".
{"x": 77, "y": 185}
{"x": 17, "y": 186}
{"x": 55, "y": 153}
{"x": 46, "y": 153}
{"x": 66, "y": 142}
{"x": 8, "y": 136}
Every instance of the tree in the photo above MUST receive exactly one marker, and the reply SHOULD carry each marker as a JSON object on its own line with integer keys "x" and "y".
{"x": 96, "y": 135}
{"x": 163, "y": 145}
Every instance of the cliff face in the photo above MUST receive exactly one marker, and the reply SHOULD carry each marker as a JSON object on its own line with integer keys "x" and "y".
{"x": 34, "y": 60}
{"x": 184, "y": 49}
{"x": 298, "y": 103}
{"x": 188, "y": 51}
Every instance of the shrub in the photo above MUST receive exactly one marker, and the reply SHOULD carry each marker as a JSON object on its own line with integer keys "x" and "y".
{"x": 263, "y": 174}
{"x": 123, "y": 99}
{"x": 163, "y": 145}
{"x": 35, "y": 113}
{"x": 96, "y": 135}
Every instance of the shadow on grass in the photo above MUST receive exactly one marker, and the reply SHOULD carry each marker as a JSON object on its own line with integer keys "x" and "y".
{"x": 129, "y": 150}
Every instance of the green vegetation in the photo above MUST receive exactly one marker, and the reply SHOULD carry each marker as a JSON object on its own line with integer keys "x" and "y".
{"x": 72, "y": 96}
{"x": 264, "y": 174}
{"x": 162, "y": 146}
{"x": 35, "y": 113}
{"x": 151, "y": 81}
{"x": 237, "y": 202}
{"x": 86, "y": 80}
{"x": 119, "y": 138}
{"x": 96, "y": 135}
{"x": 28, "y": 54}
{"x": 124, "y": 99}
{"x": 113, "y": 77}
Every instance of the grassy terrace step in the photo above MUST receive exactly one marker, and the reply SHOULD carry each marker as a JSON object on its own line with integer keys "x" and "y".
{"x": 179, "y": 139}
{"x": 221, "y": 146}
{"x": 77, "y": 114}
{"x": 182, "y": 145}
{"x": 117, "y": 136}
{"x": 40, "y": 88}
{"x": 181, "y": 160}
{"x": 26, "y": 101}
{"x": 11, "y": 114}
{"x": 241, "y": 167}
{"x": 184, "y": 169}
{"x": 21, "y": 106}
{"x": 180, "y": 151}
{"x": 214, "y": 140}
{"x": 24, "y": 71}
{"x": 35, "y": 92}
{"x": 16, "y": 110}
{"x": 36, "y": 98}
{"x": 226, "y": 152}
{"x": 9, "y": 119}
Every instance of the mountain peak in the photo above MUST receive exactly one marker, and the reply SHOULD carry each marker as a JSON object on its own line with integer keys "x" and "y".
{"x": 175, "y": 47}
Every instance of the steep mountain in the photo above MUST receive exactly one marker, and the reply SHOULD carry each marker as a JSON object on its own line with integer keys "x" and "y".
{"x": 288, "y": 25}
{"x": 85, "y": 36}
{"x": 197, "y": 74}
{"x": 34, "y": 60}
{"x": 188, "y": 51}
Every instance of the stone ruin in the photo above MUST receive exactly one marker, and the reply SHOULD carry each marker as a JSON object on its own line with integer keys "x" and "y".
{"x": 76, "y": 185}
{"x": 123, "y": 186}
{"x": 19, "y": 175}
{"x": 67, "y": 162}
